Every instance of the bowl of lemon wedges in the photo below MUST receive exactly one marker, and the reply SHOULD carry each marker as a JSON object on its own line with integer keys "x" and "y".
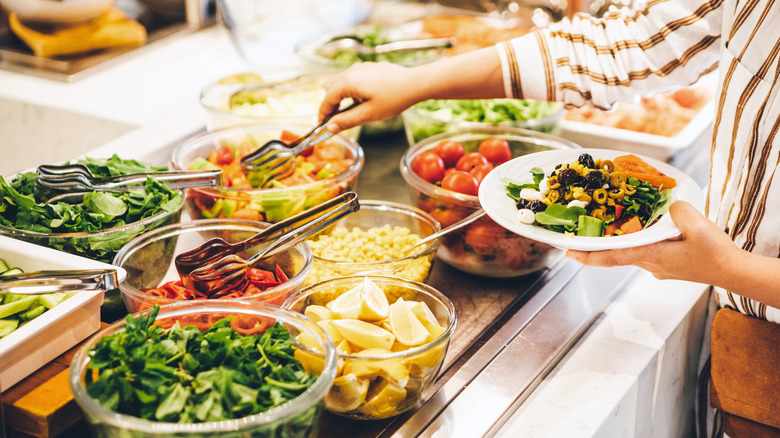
{"x": 391, "y": 337}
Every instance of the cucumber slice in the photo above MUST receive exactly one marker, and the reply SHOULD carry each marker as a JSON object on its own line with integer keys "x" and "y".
{"x": 17, "y": 306}
{"x": 7, "y": 326}
{"x": 10, "y": 298}
{"x": 51, "y": 300}
{"x": 31, "y": 313}
{"x": 3, "y": 266}
{"x": 12, "y": 271}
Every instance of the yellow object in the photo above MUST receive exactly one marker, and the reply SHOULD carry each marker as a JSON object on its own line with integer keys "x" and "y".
{"x": 108, "y": 30}
{"x": 386, "y": 399}
{"x": 407, "y": 329}
{"x": 363, "y": 334}
{"x": 347, "y": 393}
{"x": 318, "y": 313}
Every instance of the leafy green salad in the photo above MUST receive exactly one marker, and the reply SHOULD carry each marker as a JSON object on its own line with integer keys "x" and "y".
{"x": 372, "y": 36}
{"x": 185, "y": 375}
{"x": 449, "y": 113}
{"x": 21, "y": 209}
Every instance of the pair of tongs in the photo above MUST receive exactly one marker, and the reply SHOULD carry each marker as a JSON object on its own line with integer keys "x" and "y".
{"x": 70, "y": 182}
{"x": 215, "y": 267}
{"x": 276, "y": 159}
{"x": 49, "y": 282}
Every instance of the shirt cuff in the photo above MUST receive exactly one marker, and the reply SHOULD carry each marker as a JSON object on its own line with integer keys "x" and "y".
{"x": 527, "y": 68}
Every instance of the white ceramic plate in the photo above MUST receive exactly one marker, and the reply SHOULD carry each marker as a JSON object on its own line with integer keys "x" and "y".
{"x": 501, "y": 208}
{"x": 44, "y": 338}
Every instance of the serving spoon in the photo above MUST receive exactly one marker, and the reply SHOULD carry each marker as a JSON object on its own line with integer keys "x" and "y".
{"x": 456, "y": 226}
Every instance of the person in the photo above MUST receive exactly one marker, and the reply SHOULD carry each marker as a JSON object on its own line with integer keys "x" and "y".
{"x": 622, "y": 55}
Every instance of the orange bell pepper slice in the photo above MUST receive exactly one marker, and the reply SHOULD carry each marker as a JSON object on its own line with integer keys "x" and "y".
{"x": 634, "y": 166}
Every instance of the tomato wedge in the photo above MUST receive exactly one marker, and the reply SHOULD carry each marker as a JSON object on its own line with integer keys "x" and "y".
{"x": 634, "y": 166}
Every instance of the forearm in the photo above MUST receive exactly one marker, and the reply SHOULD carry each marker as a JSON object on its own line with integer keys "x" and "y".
{"x": 751, "y": 276}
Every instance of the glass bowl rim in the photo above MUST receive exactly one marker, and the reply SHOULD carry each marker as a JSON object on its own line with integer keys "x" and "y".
{"x": 197, "y": 140}
{"x": 14, "y": 232}
{"x": 393, "y": 207}
{"x": 433, "y": 190}
{"x": 194, "y": 226}
{"x": 318, "y": 390}
{"x": 396, "y": 281}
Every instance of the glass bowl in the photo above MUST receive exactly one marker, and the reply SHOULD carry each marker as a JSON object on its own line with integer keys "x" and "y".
{"x": 149, "y": 260}
{"x": 295, "y": 418}
{"x": 250, "y": 98}
{"x": 386, "y": 384}
{"x": 421, "y": 123}
{"x": 482, "y": 247}
{"x": 267, "y": 204}
{"x": 347, "y": 253}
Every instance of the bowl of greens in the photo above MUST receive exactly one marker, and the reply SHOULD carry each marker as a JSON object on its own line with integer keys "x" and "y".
{"x": 224, "y": 369}
{"x": 96, "y": 228}
{"x": 432, "y": 117}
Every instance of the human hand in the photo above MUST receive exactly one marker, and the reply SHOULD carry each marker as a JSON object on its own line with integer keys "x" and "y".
{"x": 702, "y": 253}
{"x": 384, "y": 90}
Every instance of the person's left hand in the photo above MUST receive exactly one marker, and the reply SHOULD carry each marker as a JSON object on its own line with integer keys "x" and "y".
{"x": 702, "y": 253}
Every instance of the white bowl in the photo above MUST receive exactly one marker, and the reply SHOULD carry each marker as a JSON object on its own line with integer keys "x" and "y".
{"x": 55, "y": 331}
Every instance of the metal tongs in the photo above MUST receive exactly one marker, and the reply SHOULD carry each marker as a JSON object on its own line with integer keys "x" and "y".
{"x": 70, "y": 182}
{"x": 49, "y": 282}
{"x": 276, "y": 159}
{"x": 354, "y": 44}
{"x": 215, "y": 266}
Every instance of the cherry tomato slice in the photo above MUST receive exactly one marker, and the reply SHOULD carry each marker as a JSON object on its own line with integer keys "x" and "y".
{"x": 224, "y": 155}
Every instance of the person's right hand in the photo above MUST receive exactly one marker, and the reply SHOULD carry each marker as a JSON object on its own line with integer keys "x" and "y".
{"x": 385, "y": 90}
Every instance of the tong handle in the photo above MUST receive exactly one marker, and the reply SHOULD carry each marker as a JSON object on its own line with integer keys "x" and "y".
{"x": 46, "y": 282}
{"x": 327, "y": 213}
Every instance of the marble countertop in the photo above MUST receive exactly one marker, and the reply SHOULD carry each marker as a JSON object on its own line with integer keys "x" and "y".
{"x": 633, "y": 373}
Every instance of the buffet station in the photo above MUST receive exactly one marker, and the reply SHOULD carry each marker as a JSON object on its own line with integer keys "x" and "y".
{"x": 253, "y": 275}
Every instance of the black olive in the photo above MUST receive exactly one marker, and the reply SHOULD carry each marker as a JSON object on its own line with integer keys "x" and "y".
{"x": 645, "y": 210}
{"x": 537, "y": 206}
{"x": 556, "y": 168}
{"x": 522, "y": 203}
{"x": 569, "y": 177}
{"x": 595, "y": 179}
{"x": 610, "y": 209}
{"x": 587, "y": 161}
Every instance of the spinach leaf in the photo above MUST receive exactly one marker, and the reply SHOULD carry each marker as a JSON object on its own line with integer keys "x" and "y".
{"x": 513, "y": 189}
{"x": 561, "y": 216}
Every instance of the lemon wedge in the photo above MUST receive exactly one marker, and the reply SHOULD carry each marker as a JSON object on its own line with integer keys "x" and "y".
{"x": 408, "y": 330}
{"x": 309, "y": 341}
{"x": 428, "y": 319}
{"x": 318, "y": 313}
{"x": 383, "y": 400}
{"x": 364, "y": 334}
{"x": 347, "y": 305}
{"x": 347, "y": 393}
{"x": 344, "y": 347}
{"x": 327, "y": 327}
{"x": 313, "y": 364}
{"x": 373, "y": 302}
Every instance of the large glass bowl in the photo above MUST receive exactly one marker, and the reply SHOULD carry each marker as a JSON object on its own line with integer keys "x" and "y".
{"x": 482, "y": 247}
{"x": 420, "y": 124}
{"x": 376, "y": 215}
{"x": 149, "y": 260}
{"x": 410, "y": 372}
{"x": 249, "y": 98}
{"x": 272, "y": 204}
{"x": 296, "y": 418}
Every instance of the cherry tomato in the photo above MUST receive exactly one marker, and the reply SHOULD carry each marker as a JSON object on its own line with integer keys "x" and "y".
{"x": 447, "y": 216}
{"x": 288, "y": 136}
{"x": 496, "y": 150}
{"x": 470, "y": 161}
{"x": 483, "y": 237}
{"x": 428, "y": 166}
{"x": 480, "y": 171}
{"x": 449, "y": 170}
{"x": 224, "y": 155}
{"x": 449, "y": 151}
{"x": 460, "y": 182}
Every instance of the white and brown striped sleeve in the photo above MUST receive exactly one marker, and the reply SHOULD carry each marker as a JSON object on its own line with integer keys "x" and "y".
{"x": 617, "y": 57}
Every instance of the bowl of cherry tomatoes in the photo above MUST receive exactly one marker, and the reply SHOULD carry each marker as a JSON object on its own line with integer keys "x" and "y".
{"x": 443, "y": 174}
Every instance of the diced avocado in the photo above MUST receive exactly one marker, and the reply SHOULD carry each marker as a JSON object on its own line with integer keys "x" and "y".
{"x": 33, "y": 312}
{"x": 12, "y": 271}
{"x": 214, "y": 211}
{"x": 51, "y": 300}
{"x": 199, "y": 163}
{"x": 7, "y": 326}
{"x": 324, "y": 173}
{"x": 3, "y": 266}
{"x": 279, "y": 206}
{"x": 17, "y": 306}
{"x": 590, "y": 226}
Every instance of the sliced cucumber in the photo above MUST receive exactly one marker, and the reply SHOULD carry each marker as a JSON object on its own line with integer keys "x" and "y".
{"x": 51, "y": 300}
{"x": 12, "y": 271}
{"x": 7, "y": 326}
{"x": 17, "y": 306}
{"x": 3, "y": 266}
{"x": 33, "y": 312}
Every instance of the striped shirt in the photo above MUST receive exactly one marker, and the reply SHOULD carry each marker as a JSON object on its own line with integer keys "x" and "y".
{"x": 671, "y": 43}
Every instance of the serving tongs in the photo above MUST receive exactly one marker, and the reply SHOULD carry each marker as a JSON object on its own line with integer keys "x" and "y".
{"x": 354, "y": 44}
{"x": 56, "y": 183}
{"x": 276, "y": 159}
{"x": 215, "y": 266}
{"x": 49, "y": 282}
